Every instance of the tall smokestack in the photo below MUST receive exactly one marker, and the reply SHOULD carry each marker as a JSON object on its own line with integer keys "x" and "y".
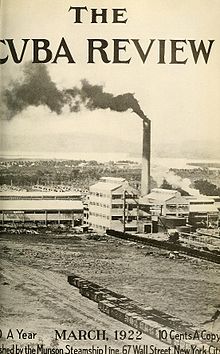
{"x": 145, "y": 173}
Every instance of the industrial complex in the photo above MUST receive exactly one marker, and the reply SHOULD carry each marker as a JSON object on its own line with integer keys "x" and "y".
{"x": 112, "y": 204}
{"x": 141, "y": 230}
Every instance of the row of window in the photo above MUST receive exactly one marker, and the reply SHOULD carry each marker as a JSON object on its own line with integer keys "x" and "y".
{"x": 114, "y": 206}
{"x": 127, "y": 206}
{"x": 127, "y": 196}
{"x": 174, "y": 214}
{"x": 100, "y": 204}
{"x": 202, "y": 202}
{"x": 100, "y": 215}
{"x": 114, "y": 196}
{"x": 175, "y": 209}
{"x": 101, "y": 227}
{"x": 102, "y": 195}
{"x": 114, "y": 217}
{"x": 117, "y": 206}
{"x": 2, "y": 197}
{"x": 117, "y": 196}
{"x": 131, "y": 196}
{"x": 175, "y": 206}
{"x": 69, "y": 212}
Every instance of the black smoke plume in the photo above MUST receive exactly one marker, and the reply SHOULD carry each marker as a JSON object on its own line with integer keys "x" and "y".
{"x": 36, "y": 88}
{"x": 93, "y": 97}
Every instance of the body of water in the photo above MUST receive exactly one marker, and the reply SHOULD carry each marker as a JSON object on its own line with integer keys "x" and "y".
{"x": 164, "y": 162}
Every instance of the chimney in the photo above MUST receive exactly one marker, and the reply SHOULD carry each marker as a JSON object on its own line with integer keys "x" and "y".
{"x": 145, "y": 172}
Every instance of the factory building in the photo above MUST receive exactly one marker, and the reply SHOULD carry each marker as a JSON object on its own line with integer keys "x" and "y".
{"x": 36, "y": 195}
{"x": 203, "y": 210}
{"x": 40, "y": 212}
{"x": 166, "y": 203}
{"x": 112, "y": 205}
{"x": 217, "y": 201}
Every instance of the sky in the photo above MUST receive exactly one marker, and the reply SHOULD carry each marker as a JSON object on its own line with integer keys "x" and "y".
{"x": 182, "y": 101}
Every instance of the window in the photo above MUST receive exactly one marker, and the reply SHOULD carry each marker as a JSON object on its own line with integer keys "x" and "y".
{"x": 131, "y": 228}
{"x": 131, "y": 206}
{"x": 117, "y": 206}
{"x": 117, "y": 217}
{"x": 131, "y": 196}
{"x": 171, "y": 206}
{"x": 116, "y": 196}
{"x": 131, "y": 217}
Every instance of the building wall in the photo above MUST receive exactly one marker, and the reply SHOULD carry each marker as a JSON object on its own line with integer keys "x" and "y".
{"x": 106, "y": 208}
{"x": 175, "y": 209}
{"x": 42, "y": 216}
{"x": 123, "y": 205}
{"x": 40, "y": 195}
{"x": 100, "y": 210}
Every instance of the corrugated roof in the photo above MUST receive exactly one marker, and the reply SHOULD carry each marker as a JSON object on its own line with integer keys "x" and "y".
{"x": 107, "y": 184}
{"x": 178, "y": 200}
{"x": 165, "y": 191}
{"x": 110, "y": 187}
{"x": 43, "y": 204}
{"x": 38, "y": 194}
{"x": 202, "y": 199}
{"x": 160, "y": 195}
{"x": 155, "y": 197}
{"x": 162, "y": 198}
{"x": 104, "y": 186}
{"x": 203, "y": 208}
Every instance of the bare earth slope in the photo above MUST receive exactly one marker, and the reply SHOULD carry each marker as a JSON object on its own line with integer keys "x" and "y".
{"x": 35, "y": 294}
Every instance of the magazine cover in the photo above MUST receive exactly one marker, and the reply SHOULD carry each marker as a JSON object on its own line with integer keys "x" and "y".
{"x": 110, "y": 177}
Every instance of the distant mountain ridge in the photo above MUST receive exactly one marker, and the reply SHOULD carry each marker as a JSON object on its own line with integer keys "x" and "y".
{"x": 81, "y": 142}
{"x": 190, "y": 149}
{"x": 76, "y": 142}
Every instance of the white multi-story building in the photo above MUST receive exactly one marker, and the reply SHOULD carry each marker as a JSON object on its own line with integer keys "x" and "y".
{"x": 112, "y": 205}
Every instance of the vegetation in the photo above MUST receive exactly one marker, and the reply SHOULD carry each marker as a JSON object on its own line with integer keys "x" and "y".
{"x": 200, "y": 173}
{"x": 206, "y": 187}
{"x": 78, "y": 173}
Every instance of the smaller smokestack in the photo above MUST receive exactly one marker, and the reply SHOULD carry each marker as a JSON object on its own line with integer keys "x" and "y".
{"x": 145, "y": 172}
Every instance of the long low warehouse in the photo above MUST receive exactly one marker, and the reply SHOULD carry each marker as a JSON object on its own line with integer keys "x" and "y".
{"x": 17, "y": 195}
{"x": 42, "y": 211}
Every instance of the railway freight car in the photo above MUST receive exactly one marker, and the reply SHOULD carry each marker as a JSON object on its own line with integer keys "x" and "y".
{"x": 139, "y": 316}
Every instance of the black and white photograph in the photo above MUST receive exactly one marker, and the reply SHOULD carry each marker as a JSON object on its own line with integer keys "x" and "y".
{"x": 109, "y": 177}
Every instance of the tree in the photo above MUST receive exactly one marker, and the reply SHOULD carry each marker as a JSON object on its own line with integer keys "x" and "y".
{"x": 207, "y": 188}
{"x": 166, "y": 185}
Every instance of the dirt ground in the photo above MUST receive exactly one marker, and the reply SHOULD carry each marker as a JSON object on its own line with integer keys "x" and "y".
{"x": 35, "y": 294}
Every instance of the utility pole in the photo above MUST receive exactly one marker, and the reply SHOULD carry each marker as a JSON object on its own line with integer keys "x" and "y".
{"x": 125, "y": 206}
{"x": 124, "y": 211}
